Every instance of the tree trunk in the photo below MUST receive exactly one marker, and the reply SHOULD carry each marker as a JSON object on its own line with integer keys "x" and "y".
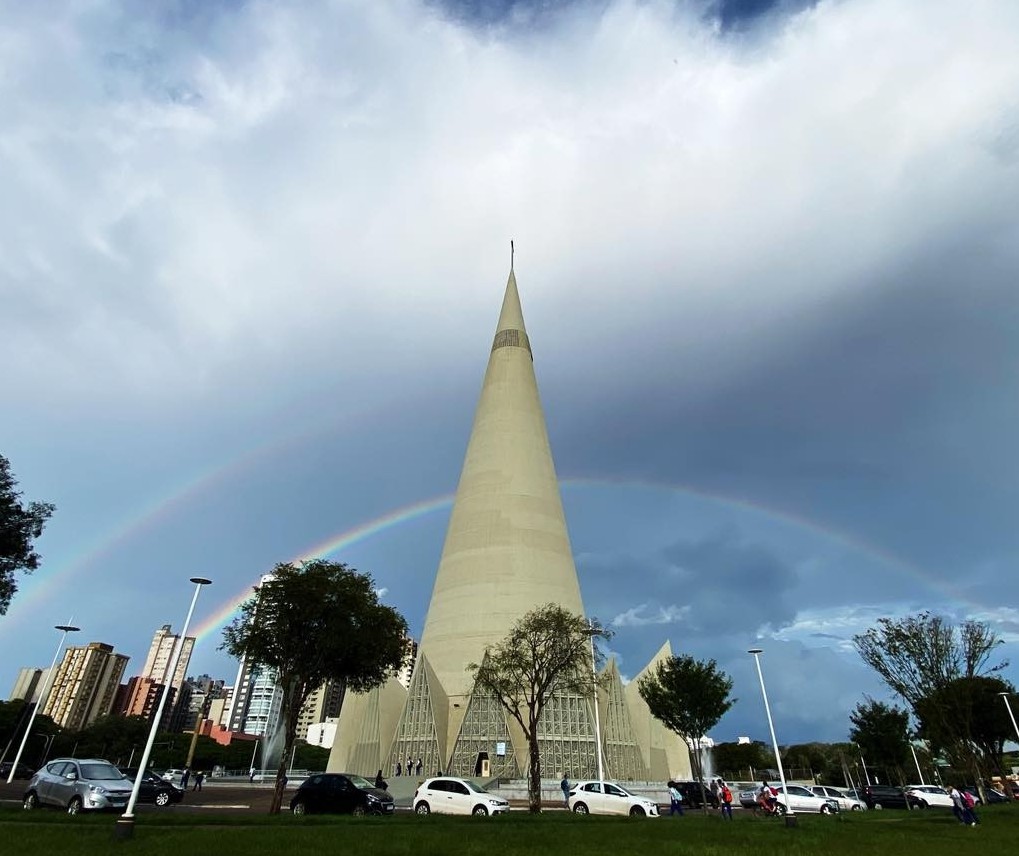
{"x": 533, "y": 767}
{"x": 695, "y": 756}
{"x": 291, "y": 707}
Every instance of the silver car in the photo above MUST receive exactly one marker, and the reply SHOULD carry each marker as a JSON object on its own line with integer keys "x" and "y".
{"x": 78, "y": 784}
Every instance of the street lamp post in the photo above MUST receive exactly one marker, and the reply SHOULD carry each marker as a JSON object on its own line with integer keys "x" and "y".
{"x": 1010, "y": 714}
{"x": 125, "y": 823}
{"x": 597, "y": 721}
{"x": 790, "y": 815}
{"x": 43, "y": 696}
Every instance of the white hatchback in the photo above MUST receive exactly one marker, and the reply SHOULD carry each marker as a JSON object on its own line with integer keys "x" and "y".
{"x": 609, "y": 798}
{"x": 449, "y": 795}
{"x": 798, "y": 798}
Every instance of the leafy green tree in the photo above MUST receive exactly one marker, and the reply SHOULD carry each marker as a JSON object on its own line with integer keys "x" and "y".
{"x": 741, "y": 760}
{"x": 882, "y": 732}
{"x": 920, "y": 654}
{"x": 689, "y": 697}
{"x": 20, "y": 525}
{"x": 967, "y": 721}
{"x": 314, "y": 622}
{"x": 546, "y": 653}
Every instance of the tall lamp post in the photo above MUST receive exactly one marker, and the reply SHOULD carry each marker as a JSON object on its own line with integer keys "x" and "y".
{"x": 125, "y": 823}
{"x": 44, "y": 696}
{"x": 1010, "y": 714}
{"x": 597, "y": 722}
{"x": 790, "y": 815}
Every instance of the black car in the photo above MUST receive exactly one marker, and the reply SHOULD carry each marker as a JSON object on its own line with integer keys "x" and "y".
{"x": 23, "y": 771}
{"x": 884, "y": 796}
{"x": 340, "y": 793}
{"x": 154, "y": 789}
{"x": 692, "y": 795}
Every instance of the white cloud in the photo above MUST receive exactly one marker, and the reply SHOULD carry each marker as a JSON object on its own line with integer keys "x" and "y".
{"x": 639, "y": 616}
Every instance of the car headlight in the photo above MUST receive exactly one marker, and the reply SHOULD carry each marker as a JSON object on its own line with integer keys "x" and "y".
{"x": 98, "y": 789}
{"x": 372, "y": 798}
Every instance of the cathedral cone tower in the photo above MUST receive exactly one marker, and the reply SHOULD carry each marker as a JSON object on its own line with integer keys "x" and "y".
{"x": 506, "y": 552}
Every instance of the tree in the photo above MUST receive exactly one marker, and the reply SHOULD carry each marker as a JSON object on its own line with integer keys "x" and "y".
{"x": 689, "y": 697}
{"x": 920, "y": 654}
{"x": 741, "y": 760}
{"x": 20, "y": 525}
{"x": 313, "y": 622}
{"x": 546, "y": 653}
{"x": 882, "y": 732}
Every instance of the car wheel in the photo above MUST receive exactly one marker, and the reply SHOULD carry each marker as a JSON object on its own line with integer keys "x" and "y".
{"x": 299, "y": 808}
{"x": 163, "y": 798}
{"x": 855, "y": 808}
{"x": 780, "y": 809}
{"x": 31, "y": 801}
{"x": 580, "y": 808}
{"x": 422, "y": 808}
{"x": 878, "y": 806}
{"x": 826, "y": 809}
{"x": 359, "y": 811}
{"x": 480, "y": 811}
{"x": 636, "y": 811}
{"x": 924, "y": 804}
{"x": 74, "y": 806}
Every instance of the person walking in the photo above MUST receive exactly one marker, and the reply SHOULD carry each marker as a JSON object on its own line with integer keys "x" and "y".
{"x": 969, "y": 807}
{"x": 185, "y": 778}
{"x": 565, "y": 786}
{"x": 725, "y": 795}
{"x": 380, "y": 783}
{"x": 417, "y": 768}
{"x": 251, "y": 776}
{"x": 675, "y": 799}
{"x": 958, "y": 807}
{"x": 397, "y": 769}
{"x": 199, "y": 778}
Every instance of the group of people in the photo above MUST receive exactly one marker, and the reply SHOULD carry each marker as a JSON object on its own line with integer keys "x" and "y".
{"x": 964, "y": 806}
{"x": 411, "y": 769}
{"x": 186, "y": 777}
{"x": 720, "y": 797}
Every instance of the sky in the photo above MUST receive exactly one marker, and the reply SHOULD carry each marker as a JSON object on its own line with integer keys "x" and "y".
{"x": 252, "y": 256}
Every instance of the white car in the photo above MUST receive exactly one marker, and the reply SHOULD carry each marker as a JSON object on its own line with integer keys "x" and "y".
{"x": 800, "y": 799}
{"x": 845, "y": 801}
{"x": 928, "y": 796}
{"x": 449, "y": 795}
{"x": 609, "y": 798}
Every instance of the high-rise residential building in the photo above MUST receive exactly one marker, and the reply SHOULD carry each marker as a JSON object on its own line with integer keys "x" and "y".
{"x": 507, "y": 551}
{"x": 324, "y": 703}
{"x": 141, "y": 695}
{"x": 86, "y": 682}
{"x": 29, "y": 684}
{"x": 256, "y": 703}
{"x": 406, "y": 673}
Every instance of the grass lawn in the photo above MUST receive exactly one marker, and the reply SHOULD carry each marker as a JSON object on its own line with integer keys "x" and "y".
{"x": 901, "y": 833}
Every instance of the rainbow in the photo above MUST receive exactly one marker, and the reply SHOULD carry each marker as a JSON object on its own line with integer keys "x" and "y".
{"x": 329, "y": 546}
{"x": 226, "y": 610}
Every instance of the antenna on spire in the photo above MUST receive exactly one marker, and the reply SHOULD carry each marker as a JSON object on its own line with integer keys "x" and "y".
{"x": 511, "y": 254}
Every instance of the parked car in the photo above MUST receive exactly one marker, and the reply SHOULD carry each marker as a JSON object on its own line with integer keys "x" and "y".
{"x": 845, "y": 801}
{"x": 174, "y": 776}
{"x": 78, "y": 784}
{"x": 340, "y": 793}
{"x": 884, "y": 796}
{"x": 692, "y": 797}
{"x": 801, "y": 799}
{"x": 22, "y": 772}
{"x": 993, "y": 795}
{"x": 154, "y": 788}
{"x": 449, "y": 795}
{"x": 609, "y": 798}
{"x": 927, "y": 796}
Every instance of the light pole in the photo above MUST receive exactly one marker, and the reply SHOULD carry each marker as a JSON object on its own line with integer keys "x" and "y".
{"x": 916, "y": 761}
{"x": 790, "y": 815}
{"x": 125, "y": 823}
{"x": 597, "y": 721}
{"x": 43, "y": 696}
{"x": 1010, "y": 714}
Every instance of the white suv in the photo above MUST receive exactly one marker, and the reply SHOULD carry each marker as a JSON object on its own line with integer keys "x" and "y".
{"x": 448, "y": 795}
{"x": 928, "y": 796}
{"x": 609, "y": 798}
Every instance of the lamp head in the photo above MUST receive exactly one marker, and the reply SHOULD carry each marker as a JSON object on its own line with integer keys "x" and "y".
{"x": 67, "y": 628}
{"x": 201, "y": 581}
{"x": 755, "y": 651}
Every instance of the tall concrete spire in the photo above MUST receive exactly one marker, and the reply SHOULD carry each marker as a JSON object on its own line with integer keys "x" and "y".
{"x": 506, "y": 552}
{"x": 507, "y": 549}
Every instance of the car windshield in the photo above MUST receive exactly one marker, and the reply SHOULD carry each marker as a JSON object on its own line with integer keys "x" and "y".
{"x": 101, "y": 772}
{"x": 361, "y": 782}
{"x": 476, "y": 788}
